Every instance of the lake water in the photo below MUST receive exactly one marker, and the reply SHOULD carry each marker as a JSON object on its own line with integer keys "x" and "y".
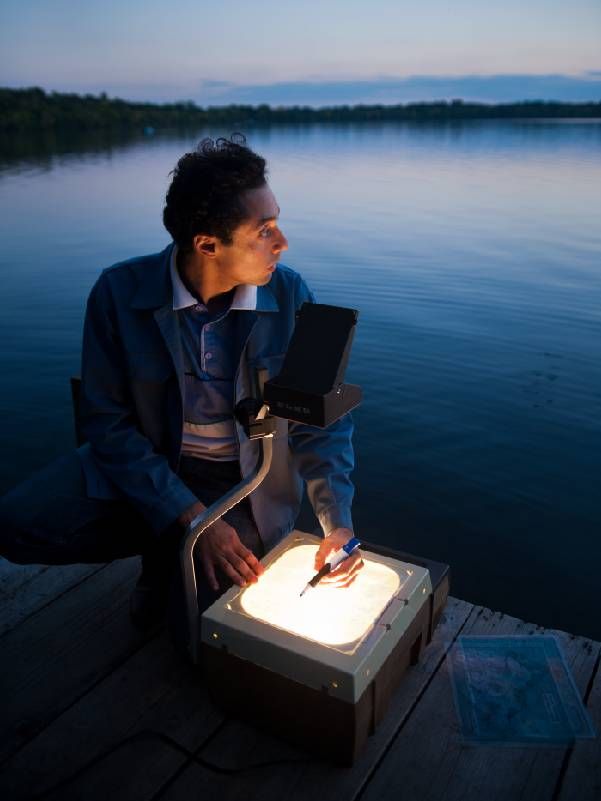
{"x": 473, "y": 253}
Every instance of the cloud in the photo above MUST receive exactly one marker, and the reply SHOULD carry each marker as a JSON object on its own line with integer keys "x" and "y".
{"x": 216, "y": 84}
{"x": 390, "y": 90}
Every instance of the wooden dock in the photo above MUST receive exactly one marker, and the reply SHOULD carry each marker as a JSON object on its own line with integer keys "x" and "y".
{"x": 93, "y": 710}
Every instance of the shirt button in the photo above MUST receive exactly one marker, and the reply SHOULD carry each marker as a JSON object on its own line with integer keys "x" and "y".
{"x": 208, "y": 355}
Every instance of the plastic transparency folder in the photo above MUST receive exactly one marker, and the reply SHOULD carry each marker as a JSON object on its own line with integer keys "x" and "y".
{"x": 516, "y": 691}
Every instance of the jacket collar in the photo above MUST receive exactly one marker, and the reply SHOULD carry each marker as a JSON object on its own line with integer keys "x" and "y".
{"x": 155, "y": 289}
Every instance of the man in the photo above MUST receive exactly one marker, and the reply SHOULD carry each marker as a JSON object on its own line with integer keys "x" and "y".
{"x": 172, "y": 342}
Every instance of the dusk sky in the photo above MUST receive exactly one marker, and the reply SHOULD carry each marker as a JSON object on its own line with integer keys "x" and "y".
{"x": 310, "y": 52}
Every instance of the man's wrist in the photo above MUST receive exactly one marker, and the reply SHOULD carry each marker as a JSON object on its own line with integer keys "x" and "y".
{"x": 188, "y": 515}
{"x": 335, "y": 517}
{"x": 339, "y": 530}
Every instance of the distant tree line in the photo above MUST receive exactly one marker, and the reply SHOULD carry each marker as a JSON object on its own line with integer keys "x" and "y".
{"x": 35, "y": 109}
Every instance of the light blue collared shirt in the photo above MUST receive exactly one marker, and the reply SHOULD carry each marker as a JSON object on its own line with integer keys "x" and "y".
{"x": 210, "y": 357}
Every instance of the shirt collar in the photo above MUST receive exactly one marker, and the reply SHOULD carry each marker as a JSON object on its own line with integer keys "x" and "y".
{"x": 245, "y": 296}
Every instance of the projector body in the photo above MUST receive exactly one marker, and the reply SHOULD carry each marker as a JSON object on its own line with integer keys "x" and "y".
{"x": 326, "y": 698}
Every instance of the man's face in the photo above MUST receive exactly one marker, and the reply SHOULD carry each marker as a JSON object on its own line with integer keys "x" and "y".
{"x": 257, "y": 242}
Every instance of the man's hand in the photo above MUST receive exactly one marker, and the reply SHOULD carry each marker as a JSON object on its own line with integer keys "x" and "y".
{"x": 347, "y": 571}
{"x": 220, "y": 547}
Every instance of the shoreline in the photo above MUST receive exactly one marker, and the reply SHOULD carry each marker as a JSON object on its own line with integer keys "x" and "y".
{"x": 34, "y": 110}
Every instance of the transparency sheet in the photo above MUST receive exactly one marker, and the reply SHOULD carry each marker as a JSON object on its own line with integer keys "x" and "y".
{"x": 516, "y": 690}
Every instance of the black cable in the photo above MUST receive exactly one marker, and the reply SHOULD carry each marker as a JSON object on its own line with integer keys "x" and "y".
{"x": 142, "y": 735}
{"x": 192, "y": 756}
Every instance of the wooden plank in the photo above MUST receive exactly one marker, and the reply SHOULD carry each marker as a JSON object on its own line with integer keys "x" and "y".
{"x": 55, "y": 656}
{"x": 40, "y": 590}
{"x": 238, "y": 745}
{"x": 153, "y": 691}
{"x": 12, "y": 576}
{"x": 582, "y": 780}
{"x": 428, "y": 761}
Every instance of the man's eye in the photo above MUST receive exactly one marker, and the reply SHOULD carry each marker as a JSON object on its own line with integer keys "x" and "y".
{"x": 265, "y": 233}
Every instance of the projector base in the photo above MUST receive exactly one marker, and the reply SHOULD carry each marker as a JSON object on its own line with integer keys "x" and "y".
{"x": 316, "y": 721}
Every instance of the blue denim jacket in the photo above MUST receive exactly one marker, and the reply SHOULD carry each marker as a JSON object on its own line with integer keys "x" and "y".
{"x": 132, "y": 409}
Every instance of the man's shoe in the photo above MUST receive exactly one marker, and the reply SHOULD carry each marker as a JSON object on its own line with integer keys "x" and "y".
{"x": 148, "y": 605}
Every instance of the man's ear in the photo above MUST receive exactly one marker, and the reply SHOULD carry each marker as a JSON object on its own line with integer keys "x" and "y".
{"x": 205, "y": 245}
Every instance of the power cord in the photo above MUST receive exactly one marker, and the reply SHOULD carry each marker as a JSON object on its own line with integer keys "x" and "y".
{"x": 192, "y": 756}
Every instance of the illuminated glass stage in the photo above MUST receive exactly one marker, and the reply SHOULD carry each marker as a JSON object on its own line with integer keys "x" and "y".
{"x": 325, "y": 614}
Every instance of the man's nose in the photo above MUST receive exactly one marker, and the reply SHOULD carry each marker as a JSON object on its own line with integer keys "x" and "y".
{"x": 281, "y": 244}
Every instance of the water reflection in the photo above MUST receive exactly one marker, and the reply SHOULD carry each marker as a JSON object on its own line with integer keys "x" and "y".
{"x": 41, "y": 148}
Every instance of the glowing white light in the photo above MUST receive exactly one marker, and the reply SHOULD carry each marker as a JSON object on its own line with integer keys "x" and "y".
{"x": 331, "y": 615}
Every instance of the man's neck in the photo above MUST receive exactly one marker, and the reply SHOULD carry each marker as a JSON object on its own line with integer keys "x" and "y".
{"x": 200, "y": 278}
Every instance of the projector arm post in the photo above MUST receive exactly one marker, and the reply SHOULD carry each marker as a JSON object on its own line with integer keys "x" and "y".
{"x": 264, "y": 428}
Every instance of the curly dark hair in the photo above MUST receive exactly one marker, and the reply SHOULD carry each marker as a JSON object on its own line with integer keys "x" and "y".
{"x": 205, "y": 194}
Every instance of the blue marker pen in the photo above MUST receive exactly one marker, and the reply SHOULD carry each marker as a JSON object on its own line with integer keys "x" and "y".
{"x": 334, "y": 560}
